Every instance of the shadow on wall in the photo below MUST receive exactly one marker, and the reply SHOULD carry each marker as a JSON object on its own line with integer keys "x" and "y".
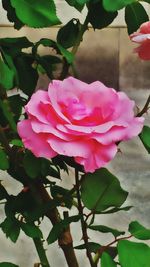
{"x": 134, "y": 73}
{"x": 99, "y": 64}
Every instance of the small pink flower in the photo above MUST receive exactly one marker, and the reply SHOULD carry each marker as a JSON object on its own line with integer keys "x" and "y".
{"x": 142, "y": 37}
{"x": 79, "y": 120}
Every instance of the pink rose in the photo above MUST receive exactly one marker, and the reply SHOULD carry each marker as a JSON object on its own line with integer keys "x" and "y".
{"x": 78, "y": 120}
{"x": 142, "y": 37}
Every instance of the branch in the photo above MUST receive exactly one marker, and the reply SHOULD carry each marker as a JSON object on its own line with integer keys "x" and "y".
{"x": 104, "y": 248}
{"x": 83, "y": 223}
{"x": 65, "y": 241}
{"x": 145, "y": 109}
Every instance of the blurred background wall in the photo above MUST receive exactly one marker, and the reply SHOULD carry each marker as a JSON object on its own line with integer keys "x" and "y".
{"x": 105, "y": 55}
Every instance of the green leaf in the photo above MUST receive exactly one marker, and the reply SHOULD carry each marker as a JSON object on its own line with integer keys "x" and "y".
{"x": 68, "y": 34}
{"x": 11, "y": 227}
{"x": 27, "y": 75}
{"x": 6, "y": 76}
{"x": 31, "y": 230}
{"x": 8, "y": 264}
{"x": 133, "y": 254}
{"x": 106, "y": 229}
{"x": 93, "y": 247}
{"x": 3, "y": 192}
{"x": 139, "y": 231}
{"x": 145, "y": 137}
{"x": 41, "y": 13}
{"x": 67, "y": 54}
{"x": 8, "y": 114}
{"x": 98, "y": 16}
{"x": 101, "y": 190}
{"x": 58, "y": 228}
{"x": 106, "y": 261}
{"x": 4, "y": 163}
{"x": 59, "y": 49}
{"x": 11, "y": 15}
{"x": 111, "y": 5}
{"x": 135, "y": 15}
{"x": 113, "y": 210}
{"x": 16, "y": 142}
{"x": 31, "y": 165}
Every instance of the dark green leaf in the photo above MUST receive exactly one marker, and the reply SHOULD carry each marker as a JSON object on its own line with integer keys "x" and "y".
{"x": 139, "y": 231}
{"x": 11, "y": 15}
{"x": 48, "y": 63}
{"x": 8, "y": 264}
{"x": 59, "y": 49}
{"x": 111, "y": 5}
{"x": 4, "y": 163}
{"x": 101, "y": 190}
{"x": 6, "y": 76}
{"x": 63, "y": 195}
{"x": 133, "y": 254}
{"x": 78, "y": 4}
{"x": 48, "y": 169}
{"x": 58, "y": 228}
{"x": 93, "y": 247}
{"x": 16, "y": 104}
{"x": 41, "y": 13}
{"x": 106, "y": 261}
{"x": 10, "y": 226}
{"x": 31, "y": 230}
{"x": 8, "y": 114}
{"x": 27, "y": 75}
{"x": 58, "y": 161}
{"x": 98, "y": 16}
{"x": 31, "y": 165}
{"x": 135, "y": 15}
{"x": 106, "y": 229}
{"x": 68, "y": 34}
{"x": 145, "y": 137}
{"x": 15, "y": 45}
{"x": 3, "y": 192}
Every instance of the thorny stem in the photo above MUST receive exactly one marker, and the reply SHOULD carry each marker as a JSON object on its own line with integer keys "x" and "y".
{"x": 104, "y": 248}
{"x": 83, "y": 223}
{"x": 65, "y": 241}
{"x": 145, "y": 109}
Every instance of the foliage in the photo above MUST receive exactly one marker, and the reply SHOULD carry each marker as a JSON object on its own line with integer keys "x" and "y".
{"x": 94, "y": 194}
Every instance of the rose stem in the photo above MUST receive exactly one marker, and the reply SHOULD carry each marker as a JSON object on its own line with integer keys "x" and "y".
{"x": 145, "y": 109}
{"x": 65, "y": 241}
{"x": 83, "y": 223}
{"x": 41, "y": 252}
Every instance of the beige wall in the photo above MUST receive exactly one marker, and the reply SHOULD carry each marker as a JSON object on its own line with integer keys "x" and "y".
{"x": 65, "y": 12}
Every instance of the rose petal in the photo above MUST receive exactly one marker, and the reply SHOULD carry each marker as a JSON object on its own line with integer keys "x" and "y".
{"x": 37, "y": 143}
{"x": 99, "y": 157}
